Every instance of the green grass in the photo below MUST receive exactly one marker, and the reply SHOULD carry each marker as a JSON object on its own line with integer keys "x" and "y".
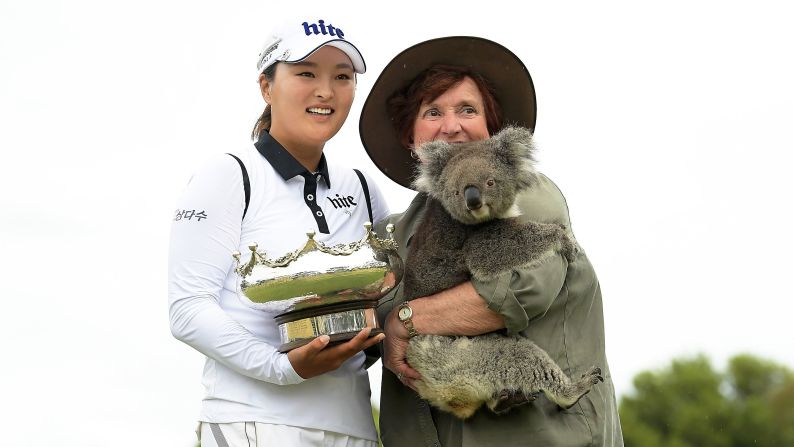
{"x": 376, "y": 416}
{"x": 323, "y": 284}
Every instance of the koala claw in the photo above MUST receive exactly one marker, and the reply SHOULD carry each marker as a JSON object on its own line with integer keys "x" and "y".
{"x": 594, "y": 374}
{"x": 593, "y": 371}
{"x": 508, "y": 399}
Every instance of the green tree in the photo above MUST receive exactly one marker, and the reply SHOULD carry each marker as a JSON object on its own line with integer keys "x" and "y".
{"x": 690, "y": 404}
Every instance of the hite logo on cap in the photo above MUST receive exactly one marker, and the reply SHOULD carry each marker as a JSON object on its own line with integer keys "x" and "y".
{"x": 321, "y": 28}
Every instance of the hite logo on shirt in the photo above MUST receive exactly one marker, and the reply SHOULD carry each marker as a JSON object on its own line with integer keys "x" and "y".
{"x": 343, "y": 203}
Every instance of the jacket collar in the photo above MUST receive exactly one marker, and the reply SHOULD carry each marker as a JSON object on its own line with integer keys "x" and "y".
{"x": 408, "y": 221}
{"x": 283, "y": 162}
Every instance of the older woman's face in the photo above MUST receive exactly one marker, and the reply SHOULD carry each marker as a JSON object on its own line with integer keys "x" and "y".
{"x": 457, "y": 116}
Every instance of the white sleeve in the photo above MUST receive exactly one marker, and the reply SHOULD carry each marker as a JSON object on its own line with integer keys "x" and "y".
{"x": 205, "y": 231}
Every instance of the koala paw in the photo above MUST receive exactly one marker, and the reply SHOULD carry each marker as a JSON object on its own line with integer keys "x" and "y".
{"x": 508, "y": 399}
{"x": 595, "y": 375}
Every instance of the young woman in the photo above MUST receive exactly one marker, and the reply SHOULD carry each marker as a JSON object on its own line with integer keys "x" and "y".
{"x": 254, "y": 394}
{"x": 460, "y": 89}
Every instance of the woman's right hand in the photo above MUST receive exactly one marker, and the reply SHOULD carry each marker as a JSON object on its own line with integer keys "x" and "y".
{"x": 315, "y": 357}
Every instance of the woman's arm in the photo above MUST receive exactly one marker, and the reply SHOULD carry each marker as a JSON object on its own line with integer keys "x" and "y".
{"x": 476, "y": 307}
{"x": 199, "y": 262}
{"x": 459, "y": 310}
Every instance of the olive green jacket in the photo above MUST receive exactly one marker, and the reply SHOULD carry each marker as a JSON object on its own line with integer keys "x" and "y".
{"x": 558, "y": 306}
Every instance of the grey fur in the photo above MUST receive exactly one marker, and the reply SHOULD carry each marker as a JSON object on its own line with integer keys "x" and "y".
{"x": 459, "y": 374}
{"x": 446, "y": 169}
{"x": 453, "y": 244}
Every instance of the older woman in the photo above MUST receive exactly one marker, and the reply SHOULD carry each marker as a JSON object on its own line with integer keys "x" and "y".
{"x": 460, "y": 89}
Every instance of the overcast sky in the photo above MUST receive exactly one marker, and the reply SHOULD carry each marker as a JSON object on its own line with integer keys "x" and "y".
{"x": 668, "y": 128}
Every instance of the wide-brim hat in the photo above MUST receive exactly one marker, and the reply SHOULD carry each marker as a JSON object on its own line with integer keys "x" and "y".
{"x": 506, "y": 73}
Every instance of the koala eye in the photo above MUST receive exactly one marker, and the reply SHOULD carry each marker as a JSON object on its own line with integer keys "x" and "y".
{"x": 457, "y": 193}
{"x": 490, "y": 182}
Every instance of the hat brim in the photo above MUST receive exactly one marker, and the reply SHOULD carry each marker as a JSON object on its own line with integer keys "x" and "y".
{"x": 510, "y": 79}
{"x": 300, "y": 54}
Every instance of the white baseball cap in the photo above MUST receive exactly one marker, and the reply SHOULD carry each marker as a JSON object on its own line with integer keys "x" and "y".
{"x": 296, "y": 40}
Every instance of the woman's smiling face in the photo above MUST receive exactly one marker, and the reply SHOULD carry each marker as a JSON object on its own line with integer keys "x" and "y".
{"x": 457, "y": 116}
{"x": 311, "y": 99}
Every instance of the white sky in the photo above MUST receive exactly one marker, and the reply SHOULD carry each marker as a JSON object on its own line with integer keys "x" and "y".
{"x": 668, "y": 127}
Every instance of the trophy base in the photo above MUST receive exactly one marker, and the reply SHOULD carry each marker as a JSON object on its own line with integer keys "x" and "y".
{"x": 339, "y": 322}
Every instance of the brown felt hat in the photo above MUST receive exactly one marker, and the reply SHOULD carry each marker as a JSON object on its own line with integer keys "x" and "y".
{"x": 504, "y": 70}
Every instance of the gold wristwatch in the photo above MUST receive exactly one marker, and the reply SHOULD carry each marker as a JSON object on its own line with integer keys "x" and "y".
{"x": 404, "y": 313}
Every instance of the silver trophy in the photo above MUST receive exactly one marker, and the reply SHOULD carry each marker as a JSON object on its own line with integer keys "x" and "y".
{"x": 319, "y": 289}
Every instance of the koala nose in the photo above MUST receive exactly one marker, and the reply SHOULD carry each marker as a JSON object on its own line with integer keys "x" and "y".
{"x": 473, "y": 199}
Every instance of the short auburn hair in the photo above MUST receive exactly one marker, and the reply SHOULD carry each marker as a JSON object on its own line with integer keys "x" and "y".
{"x": 430, "y": 84}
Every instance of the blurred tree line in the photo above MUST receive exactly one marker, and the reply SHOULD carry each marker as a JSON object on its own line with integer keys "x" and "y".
{"x": 690, "y": 404}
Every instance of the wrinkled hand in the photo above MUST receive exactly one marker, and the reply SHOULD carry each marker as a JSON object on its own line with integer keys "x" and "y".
{"x": 394, "y": 350}
{"x": 316, "y": 357}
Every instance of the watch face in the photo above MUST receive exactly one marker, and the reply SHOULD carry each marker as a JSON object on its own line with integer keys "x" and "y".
{"x": 404, "y": 313}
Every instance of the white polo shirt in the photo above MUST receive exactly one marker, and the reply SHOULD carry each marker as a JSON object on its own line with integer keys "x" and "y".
{"x": 245, "y": 377}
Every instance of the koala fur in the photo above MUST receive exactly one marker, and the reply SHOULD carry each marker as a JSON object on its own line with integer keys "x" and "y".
{"x": 471, "y": 229}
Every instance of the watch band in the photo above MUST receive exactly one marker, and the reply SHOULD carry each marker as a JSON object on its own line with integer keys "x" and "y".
{"x": 408, "y": 321}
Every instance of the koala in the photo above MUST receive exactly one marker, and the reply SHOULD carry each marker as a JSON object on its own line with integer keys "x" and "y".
{"x": 471, "y": 229}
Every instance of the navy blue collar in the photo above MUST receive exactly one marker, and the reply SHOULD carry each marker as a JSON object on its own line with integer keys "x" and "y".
{"x": 284, "y": 163}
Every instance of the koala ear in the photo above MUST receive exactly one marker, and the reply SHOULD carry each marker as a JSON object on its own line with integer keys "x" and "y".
{"x": 515, "y": 142}
{"x": 435, "y": 152}
{"x": 514, "y": 147}
{"x": 513, "y": 134}
{"x": 434, "y": 156}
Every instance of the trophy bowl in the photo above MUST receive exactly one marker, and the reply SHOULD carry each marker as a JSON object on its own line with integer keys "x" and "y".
{"x": 322, "y": 290}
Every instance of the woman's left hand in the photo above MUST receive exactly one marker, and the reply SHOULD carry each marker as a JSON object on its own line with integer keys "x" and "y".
{"x": 395, "y": 347}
